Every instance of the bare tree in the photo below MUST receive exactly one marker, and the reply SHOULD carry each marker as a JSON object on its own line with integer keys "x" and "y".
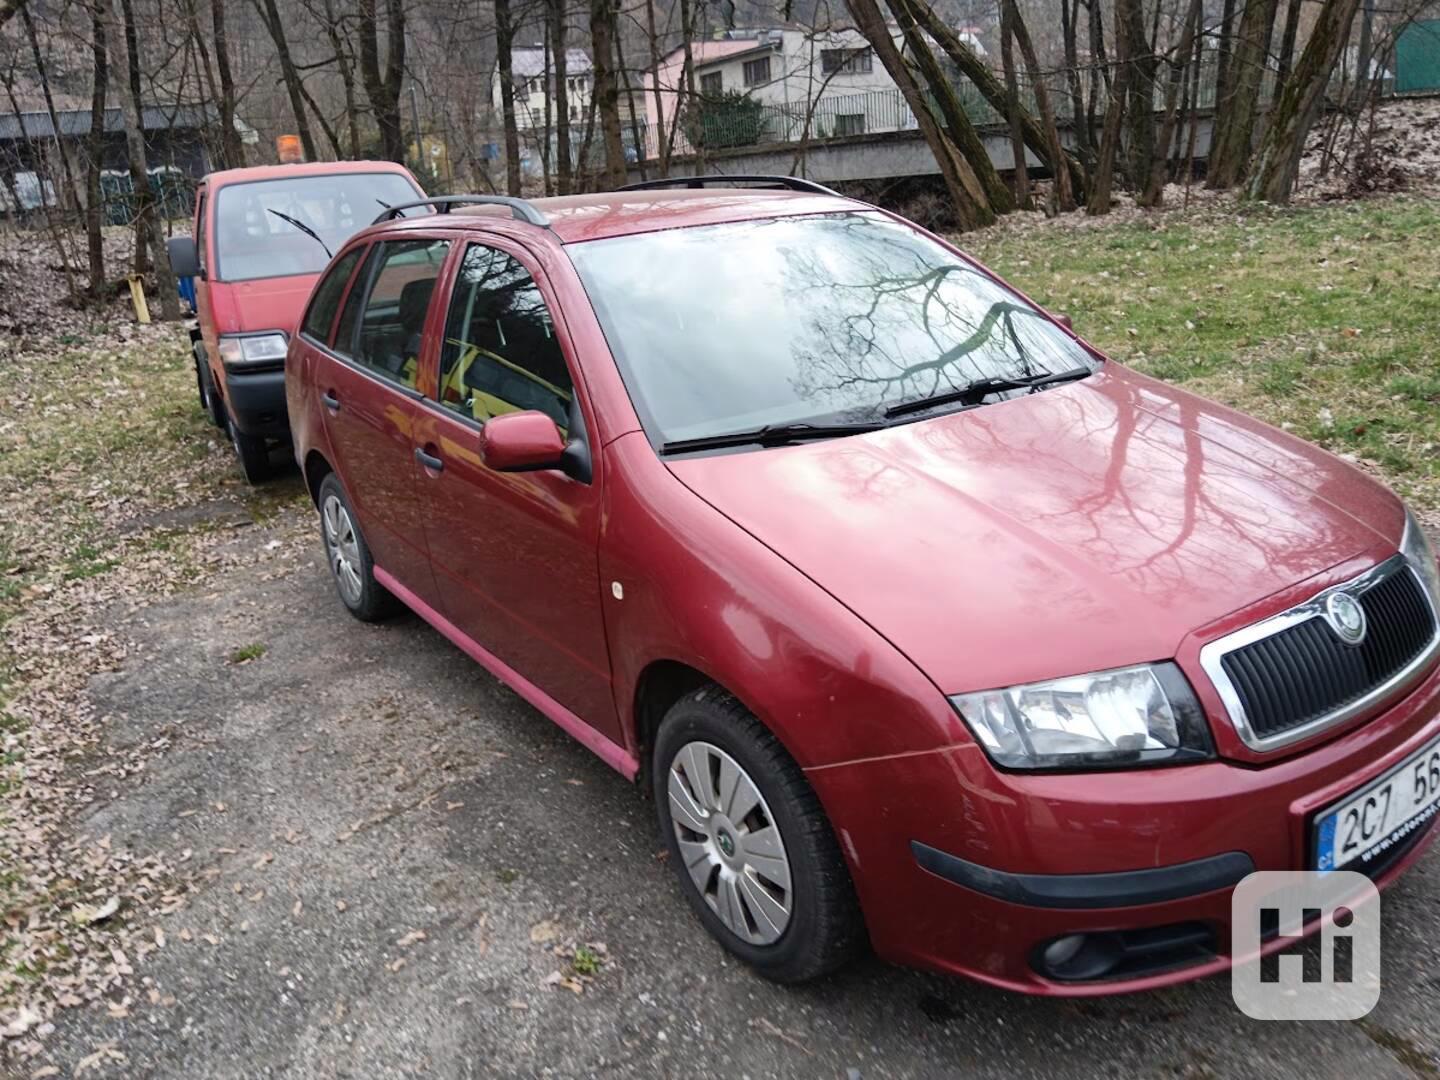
{"x": 1235, "y": 122}
{"x": 1177, "y": 60}
{"x": 1287, "y": 45}
{"x": 1277, "y": 163}
{"x": 121, "y": 30}
{"x": 270, "y": 16}
{"x": 1021, "y": 170}
{"x": 1063, "y": 192}
{"x": 95, "y": 151}
{"x": 606, "y": 95}
{"x": 234, "y": 148}
{"x": 560, "y": 57}
{"x": 504, "y": 38}
{"x": 383, "y": 87}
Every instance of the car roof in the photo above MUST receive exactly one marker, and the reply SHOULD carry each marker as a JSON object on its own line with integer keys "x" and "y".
{"x": 309, "y": 168}
{"x": 577, "y": 218}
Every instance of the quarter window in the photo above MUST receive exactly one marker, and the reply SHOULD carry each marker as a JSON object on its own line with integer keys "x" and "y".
{"x": 326, "y": 300}
{"x": 712, "y": 85}
{"x": 394, "y": 313}
{"x": 500, "y": 353}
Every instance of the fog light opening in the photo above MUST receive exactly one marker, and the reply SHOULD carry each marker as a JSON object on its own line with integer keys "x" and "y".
{"x": 1062, "y": 950}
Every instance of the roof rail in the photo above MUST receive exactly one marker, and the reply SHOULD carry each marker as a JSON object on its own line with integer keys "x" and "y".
{"x": 791, "y": 183}
{"x": 521, "y": 209}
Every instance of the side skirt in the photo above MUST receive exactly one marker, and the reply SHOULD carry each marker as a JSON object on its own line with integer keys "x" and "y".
{"x": 617, "y": 757}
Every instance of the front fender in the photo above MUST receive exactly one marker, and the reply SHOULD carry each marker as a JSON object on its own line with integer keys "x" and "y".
{"x": 697, "y": 589}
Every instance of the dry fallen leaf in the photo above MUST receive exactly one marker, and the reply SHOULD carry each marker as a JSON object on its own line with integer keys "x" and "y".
{"x": 411, "y": 938}
{"x": 544, "y": 931}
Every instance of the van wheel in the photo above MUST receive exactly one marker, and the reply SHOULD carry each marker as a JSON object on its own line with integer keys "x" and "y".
{"x": 752, "y": 847}
{"x": 209, "y": 399}
{"x": 349, "y": 557}
{"x": 253, "y": 453}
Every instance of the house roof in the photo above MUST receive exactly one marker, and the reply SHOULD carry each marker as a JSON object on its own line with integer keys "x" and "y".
{"x": 527, "y": 62}
{"x": 76, "y": 122}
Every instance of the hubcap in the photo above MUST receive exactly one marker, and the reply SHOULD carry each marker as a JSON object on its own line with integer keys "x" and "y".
{"x": 730, "y": 843}
{"x": 343, "y": 548}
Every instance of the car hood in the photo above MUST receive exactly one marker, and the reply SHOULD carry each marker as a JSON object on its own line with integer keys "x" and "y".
{"x": 1089, "y": 526}
{"x": 267, "y": 304}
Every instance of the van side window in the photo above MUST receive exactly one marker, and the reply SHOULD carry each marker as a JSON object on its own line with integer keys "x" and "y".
{"x": 394, "y": 313}
{"x": 326, "y": 299}
{"x": 500, "y": 352}
{"x": 200, "y": 207}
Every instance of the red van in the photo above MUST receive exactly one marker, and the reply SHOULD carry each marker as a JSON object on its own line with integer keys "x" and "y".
{"x": 261, "y": 238}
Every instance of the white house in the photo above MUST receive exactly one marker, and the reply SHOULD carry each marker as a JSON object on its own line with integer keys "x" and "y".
{"x": 534, "y": 76}
{"x": 831, "y": 76}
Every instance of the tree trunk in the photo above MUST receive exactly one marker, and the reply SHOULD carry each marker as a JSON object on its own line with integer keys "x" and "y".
{"x": 1362, "y": 55}
{"x": 1154, "y": 191}
{"x": 1069, "y": 22}
{"x": 95, "y": 151}
{"x": 504, "y": 37}
{"x": 1287, "y": 46}
{"x": 72, "y": 191}
{"x": 1064, "y": 192}
{"x": 234, "y": 147}
{"x": 687, "y": 25}
{"x": 1103, "y": 179}
{"x": 1222, "y": 55}
{"x": 635, "y": 135}
{"x": 559, "y": 53}
{"x": 1272, "y": 176}
{"x": 135, "y": 151}
{"x": 1140, "y": 87}
{"x": 662, "y": 148}
{"x": 344, "y": 64}
{"x": 1020, "y": 169}
{"x": 383, "y": 88}
{"x": 270, "y": 15}
{"x": 966, "y": 193}
{"x": 605, "y": 93}
{"x": 993, "y": 89}
{"x": 957, "y": 123}
{"x": 1099, "y": 65}
{"x": 143, "y": 195}
{"x": 1230, "y": 151}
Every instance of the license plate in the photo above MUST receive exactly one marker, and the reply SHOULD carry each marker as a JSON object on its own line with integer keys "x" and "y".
{"x": 1365, "y": 824}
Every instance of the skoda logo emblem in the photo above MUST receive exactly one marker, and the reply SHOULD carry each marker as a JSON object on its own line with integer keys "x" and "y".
{"x": 727, "y": 844}
{"x": 1346, "y": 617}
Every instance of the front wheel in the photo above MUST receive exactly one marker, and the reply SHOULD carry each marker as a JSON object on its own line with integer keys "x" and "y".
{"x": 253, "y": 452}
{"x": 209, "y": 399}
{"x": 750, "y": 842}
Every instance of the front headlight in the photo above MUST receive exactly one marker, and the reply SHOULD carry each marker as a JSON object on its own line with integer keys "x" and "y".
{"x": 1144, "y": 715}
{"x": 247, "y": 350}
{"x": 1421, "y": 557}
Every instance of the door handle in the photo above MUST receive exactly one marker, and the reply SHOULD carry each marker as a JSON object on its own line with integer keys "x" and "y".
{"x": 430, "y": 461}
{"x": 330, "y": 401}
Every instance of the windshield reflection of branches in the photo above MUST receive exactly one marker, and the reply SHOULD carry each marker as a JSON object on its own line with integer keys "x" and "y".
{"x": 885, "y": 322}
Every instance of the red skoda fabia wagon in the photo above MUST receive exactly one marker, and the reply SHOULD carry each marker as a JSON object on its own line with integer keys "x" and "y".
{"x": 926, "y": 624}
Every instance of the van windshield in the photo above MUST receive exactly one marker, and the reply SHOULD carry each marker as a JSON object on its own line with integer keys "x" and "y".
{"x": 254, "y": 239}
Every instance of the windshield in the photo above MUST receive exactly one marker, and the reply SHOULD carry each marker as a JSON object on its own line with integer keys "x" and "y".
{"x": 836, "y": 317}
{"x": 253, "y": 239}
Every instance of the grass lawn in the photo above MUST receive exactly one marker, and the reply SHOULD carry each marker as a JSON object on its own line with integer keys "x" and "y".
{"x": 1323, "y": 320}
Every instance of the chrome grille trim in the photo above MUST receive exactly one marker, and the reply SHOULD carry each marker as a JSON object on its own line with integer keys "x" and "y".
{"x": 1213, "y": 653}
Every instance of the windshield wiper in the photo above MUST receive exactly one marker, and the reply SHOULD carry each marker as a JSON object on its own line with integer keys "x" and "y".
{"x": 975, "y": 392}
{"x": 770, "y": 435}
{"x": 304, "y": 229}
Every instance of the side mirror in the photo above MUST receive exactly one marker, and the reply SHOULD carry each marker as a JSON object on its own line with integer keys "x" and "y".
{"x": 522, "y": 442}
{"x": 183, "y": 259}
{"x": 1063, "y": 320}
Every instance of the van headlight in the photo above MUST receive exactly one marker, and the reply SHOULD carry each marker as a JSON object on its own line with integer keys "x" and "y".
{"x": 1421, "y": 557}
{"x": 251, "y": 350}
{"x": 1143, "y": 715}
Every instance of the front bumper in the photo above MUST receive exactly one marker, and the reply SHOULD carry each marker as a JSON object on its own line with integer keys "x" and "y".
{"x": 965, "y": 869}
{"x": 256, "y": 402}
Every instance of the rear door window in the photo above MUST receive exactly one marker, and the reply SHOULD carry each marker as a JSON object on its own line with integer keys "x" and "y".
{"x": 393, "y": 317}
{"x": 326, "y": 301}
{"x": 500, "y": 352}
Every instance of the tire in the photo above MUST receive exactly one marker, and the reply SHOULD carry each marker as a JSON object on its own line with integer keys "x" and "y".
{"x": 253, "y": 452}
{"x": 348, "y": 556}
{"x": 209, "y": 399}
{"x": 709, "y": 731}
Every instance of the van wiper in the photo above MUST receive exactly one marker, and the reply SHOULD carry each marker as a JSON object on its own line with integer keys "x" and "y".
{"x": 975, "y": 392}
{"x": 304, "y": 229}
{"x": 770, "y": 435}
